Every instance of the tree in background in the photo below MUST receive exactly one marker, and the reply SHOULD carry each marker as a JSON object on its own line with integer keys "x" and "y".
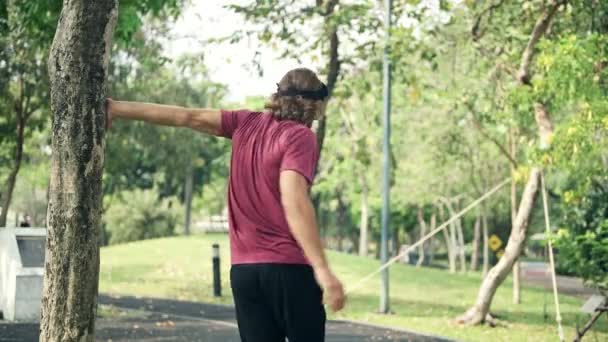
{"x": 26, "y": 33}
{"x": 534, "y": 90}
{"x": 172, "y": 161}
{"x": 24, "y": 93}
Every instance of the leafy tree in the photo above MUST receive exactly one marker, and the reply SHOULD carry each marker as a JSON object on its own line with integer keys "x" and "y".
{"x": 26, "y": 32}
{"x": 177, "y": 162}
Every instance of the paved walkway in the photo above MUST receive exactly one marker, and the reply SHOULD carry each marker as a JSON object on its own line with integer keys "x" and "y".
{"x": 151, "y": 319}
{"x": 538, "y": 273}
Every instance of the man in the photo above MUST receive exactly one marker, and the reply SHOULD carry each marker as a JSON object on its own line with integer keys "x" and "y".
{"x": 27, "y": 221}
{"x": 276, "y": 250}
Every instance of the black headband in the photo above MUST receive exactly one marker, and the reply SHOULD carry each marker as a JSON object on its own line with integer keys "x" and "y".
{"x": 320, "y": 94}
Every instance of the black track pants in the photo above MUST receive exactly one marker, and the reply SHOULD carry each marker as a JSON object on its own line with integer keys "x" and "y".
{"x": 275, "y": 301}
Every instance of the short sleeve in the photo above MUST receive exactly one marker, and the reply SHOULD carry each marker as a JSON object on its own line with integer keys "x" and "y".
{"x": 301, "y": 153}
{"x": 231, "y": 120}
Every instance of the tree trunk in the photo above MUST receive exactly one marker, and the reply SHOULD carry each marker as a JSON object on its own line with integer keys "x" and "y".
{"x": 516, "y": 268}
{"x": 476, "y": 238}
{"x": 341, "y": 222}
{"x": 188, "y": 198}
{"x": 456, "y": 238}
{"x": 431, "y": 244}
{"x": 363, "y": 229}
{"x": 78, "y": 69}
{"x": 480, "y": 311}
{"x": 448, "y": 241}
{"x": 454, "y": 247}
{"x": 333, "y": 65}
{"x": 461, "y": 251}
{"x": 486, "y": 249}
{"x": 7, "y": 194}
{"x": 422, "y": 225}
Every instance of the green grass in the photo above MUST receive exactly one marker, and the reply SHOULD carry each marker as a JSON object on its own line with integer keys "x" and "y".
{"x": 424, "y": 300}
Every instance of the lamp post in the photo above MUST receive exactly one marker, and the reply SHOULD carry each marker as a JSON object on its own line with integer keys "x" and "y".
{"x": 384, "y": 294}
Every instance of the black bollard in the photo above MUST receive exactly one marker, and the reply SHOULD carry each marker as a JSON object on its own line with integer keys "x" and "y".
{"x": 217, "y": 285}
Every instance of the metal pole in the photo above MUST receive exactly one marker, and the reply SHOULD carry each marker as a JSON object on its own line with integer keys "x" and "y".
{"x": 384, "y": 294}
{"x": 217, "y": 285}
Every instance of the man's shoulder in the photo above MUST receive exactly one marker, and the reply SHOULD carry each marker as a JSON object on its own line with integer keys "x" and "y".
{"x": 299, "y": 134}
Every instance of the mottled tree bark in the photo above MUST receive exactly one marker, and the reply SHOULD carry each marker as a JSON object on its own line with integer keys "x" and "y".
{"x": 78, "y": 69}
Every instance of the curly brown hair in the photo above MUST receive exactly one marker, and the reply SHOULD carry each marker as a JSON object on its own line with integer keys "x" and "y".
{"x": 296, "y": 107}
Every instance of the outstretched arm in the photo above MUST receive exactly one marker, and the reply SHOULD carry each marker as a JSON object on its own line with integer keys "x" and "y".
{"x": 204, "y": 120}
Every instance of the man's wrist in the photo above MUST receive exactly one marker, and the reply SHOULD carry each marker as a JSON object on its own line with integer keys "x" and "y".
{"x": 321, "y": 269}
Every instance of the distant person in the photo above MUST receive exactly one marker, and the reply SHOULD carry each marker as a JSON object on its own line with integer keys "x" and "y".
{"x": 26, "y": 222}
{"x": 275, "y": 246}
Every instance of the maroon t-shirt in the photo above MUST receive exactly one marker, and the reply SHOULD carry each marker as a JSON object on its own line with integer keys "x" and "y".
{"x": 262, "y": 147}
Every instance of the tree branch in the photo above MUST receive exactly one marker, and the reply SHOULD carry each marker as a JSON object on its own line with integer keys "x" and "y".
{"x": 476, "y": 26}
{"x": 333, "y": 69}
{"x": 486, "y": 135}
{"x": 331, "y": 5}
{"x": 523, "y": 75}
{"x": 543, "y": 121}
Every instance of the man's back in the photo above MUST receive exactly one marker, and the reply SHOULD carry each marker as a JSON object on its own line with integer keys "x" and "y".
{"x": 262, "y": 147}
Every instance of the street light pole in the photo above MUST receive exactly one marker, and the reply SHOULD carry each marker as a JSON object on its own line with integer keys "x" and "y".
{"x": 384, "y": 294}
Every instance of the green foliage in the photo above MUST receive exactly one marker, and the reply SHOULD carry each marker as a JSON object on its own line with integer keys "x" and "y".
{"x": 141, "y": 155}
{"x": 140, "y": 214}
{"x": 26, "y": 34}
{"x": 583, "y": 240}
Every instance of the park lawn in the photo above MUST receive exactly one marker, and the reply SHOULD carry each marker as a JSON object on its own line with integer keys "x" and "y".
{"x": 423, "y": 300}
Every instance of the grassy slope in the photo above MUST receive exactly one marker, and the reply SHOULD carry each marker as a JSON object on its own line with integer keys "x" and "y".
{"x": 423, "y": 300}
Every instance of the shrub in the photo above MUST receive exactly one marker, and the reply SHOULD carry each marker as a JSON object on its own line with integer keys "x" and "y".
{"x": 139, "y": 215}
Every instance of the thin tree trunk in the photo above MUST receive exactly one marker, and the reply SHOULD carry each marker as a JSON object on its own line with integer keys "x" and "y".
{"x": 9, "y": 187}
{"x": 456, "y": 237}
{"x": 476, "y": 238}
{"x": 461, "y": 251}
{"x": 480, "y": 311}
{"x": 486, "y": 249}
{"x": 333, "y": 65}
{"x": 188, "y": 198}
{"x": 421, "y": 248}
{"x": 363, "y": 228}
{"x": 341, "y": 222}
{"x": 516, "y": 268}
{"x": 431, "y": 244}
{"x": 448, "y": 241}
{"x": 78, "y": 70}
